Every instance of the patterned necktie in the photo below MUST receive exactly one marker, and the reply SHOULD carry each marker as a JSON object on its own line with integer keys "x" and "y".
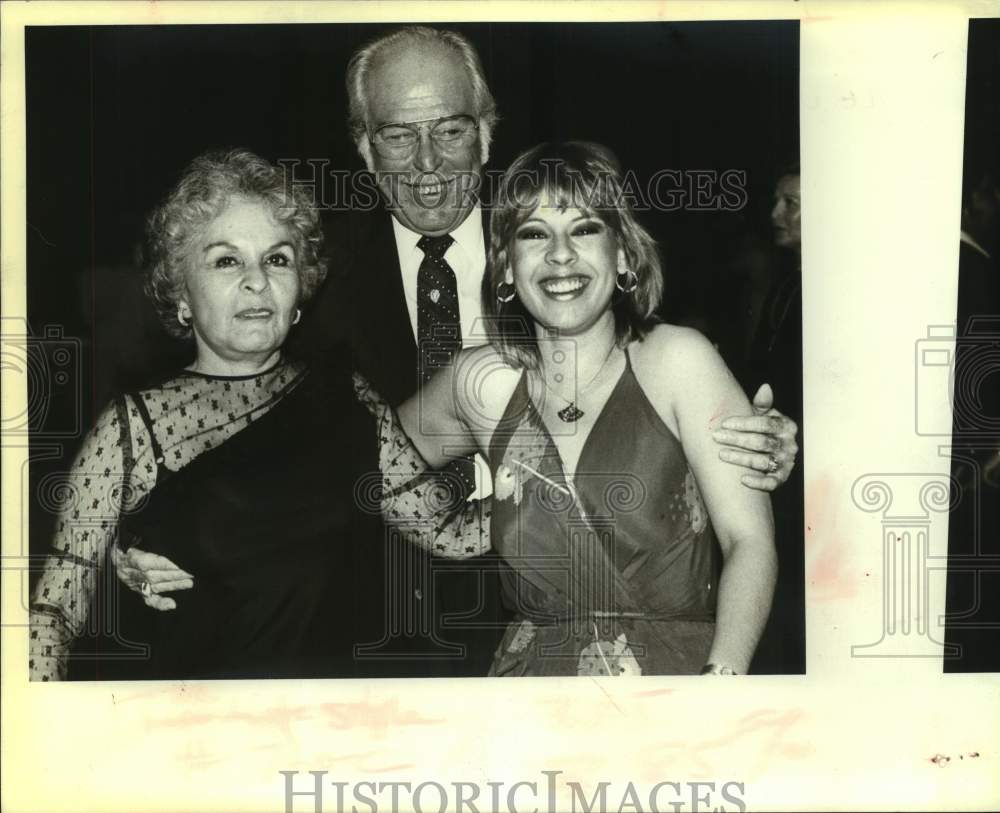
{"x": 439, "y": 331}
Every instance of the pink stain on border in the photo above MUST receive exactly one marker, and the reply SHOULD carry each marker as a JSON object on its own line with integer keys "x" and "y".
{"x": 827, "y": 572}
{"x": 654, "y": 693}
{"x": 382, "y": 717}
{"x": 768, "y": 730}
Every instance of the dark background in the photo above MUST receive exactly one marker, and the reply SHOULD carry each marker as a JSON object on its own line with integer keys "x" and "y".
{"x": 115, "y": 113}
{"x": 972, "y": 622}
{"x": 982, "y": 103}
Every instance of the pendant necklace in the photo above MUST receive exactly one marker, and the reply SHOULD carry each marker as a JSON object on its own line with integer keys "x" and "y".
{"x": 572, "y": 413}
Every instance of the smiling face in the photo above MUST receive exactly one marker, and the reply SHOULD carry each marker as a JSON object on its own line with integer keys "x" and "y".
{"x": 241, "y": 288}
{"x": 429, "y": 189}
{"x": 564, "y": 263}
{"x": 786, "y": 214}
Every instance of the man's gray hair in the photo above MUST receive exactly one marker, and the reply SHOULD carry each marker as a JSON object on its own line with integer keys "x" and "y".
{"x": 360, "y": 63}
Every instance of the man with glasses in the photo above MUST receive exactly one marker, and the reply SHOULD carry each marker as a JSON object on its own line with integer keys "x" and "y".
{"x": 410, "y": 277}
{"x": 422, "y": 118}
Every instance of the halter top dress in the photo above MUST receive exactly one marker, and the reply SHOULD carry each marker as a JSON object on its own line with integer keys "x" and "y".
{"x": 612, "y": 572}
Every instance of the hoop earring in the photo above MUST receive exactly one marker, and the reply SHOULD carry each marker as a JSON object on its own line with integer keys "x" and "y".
{"x": 503, "y": 300}
{"x": 180, "y": 318}
{"x": 632, "y": 281}
{"x": 298, "y": 315}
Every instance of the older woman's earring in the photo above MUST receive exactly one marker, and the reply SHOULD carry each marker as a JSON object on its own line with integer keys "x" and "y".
{"x": 298, "y": 315}
{"x": 501, "y": 298}
{"x": 631, "y": 281}
{"x": 182, "y": 318}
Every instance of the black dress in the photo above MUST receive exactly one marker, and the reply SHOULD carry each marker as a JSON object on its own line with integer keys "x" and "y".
{"x": 264, "y": 515}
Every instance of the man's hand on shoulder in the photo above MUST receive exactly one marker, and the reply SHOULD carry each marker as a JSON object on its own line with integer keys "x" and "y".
{"x": 763, "y": 442}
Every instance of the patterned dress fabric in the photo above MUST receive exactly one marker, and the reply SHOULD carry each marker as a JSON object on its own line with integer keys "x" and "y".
{"x": 428, "y": 507}
{"x": 247, "y": 483}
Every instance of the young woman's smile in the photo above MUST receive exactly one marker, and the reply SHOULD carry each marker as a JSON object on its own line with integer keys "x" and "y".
{"x": 564, "y": 262}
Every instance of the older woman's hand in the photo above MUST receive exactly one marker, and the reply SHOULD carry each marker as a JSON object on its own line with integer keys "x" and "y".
{"x": 150, "y": 575}
{"x": 764, "y": 443}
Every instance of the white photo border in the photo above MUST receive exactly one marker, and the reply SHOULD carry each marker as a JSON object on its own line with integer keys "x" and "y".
{"x": 882, "y": 106}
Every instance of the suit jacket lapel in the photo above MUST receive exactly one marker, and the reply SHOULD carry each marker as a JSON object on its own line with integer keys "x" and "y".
{"x": 367, "y": 298}
{"x": 382, "y": 336}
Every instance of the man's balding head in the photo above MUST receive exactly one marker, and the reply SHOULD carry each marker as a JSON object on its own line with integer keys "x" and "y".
{"x": 404, "y": 47}
{"x": 421, "y": 116}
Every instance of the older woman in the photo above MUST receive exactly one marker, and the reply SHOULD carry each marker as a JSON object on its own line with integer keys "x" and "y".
{"x": 610, "y": 500}
{"x": 239, "y": 467}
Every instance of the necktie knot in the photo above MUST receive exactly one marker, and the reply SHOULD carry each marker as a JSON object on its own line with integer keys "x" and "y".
{"x": 434, "y": 248}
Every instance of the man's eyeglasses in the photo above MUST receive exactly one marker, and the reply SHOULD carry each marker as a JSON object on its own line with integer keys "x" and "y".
{"x": 400, "y": 140}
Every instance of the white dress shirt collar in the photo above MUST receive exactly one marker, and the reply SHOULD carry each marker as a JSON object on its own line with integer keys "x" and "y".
{"x": 467, "y": 258}
{"x": 468, "y": 236}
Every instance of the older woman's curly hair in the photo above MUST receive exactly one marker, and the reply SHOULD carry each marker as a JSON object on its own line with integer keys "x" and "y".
{"x": 206, "y": 186}
{"x": 575, "y": 174}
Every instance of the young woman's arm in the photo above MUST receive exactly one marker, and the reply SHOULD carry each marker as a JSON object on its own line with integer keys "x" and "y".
{"x": 693, "y": 390}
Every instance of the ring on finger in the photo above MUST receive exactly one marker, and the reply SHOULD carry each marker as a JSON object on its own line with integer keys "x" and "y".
{"x": 772, "y": 464}
{"x": 146, "y": 589}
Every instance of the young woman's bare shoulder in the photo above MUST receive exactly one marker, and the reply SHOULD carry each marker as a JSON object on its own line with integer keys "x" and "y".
{"x": 674, "y": 348}
{"x": 484, "y": 377}
{"x": 681, "y": 372}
